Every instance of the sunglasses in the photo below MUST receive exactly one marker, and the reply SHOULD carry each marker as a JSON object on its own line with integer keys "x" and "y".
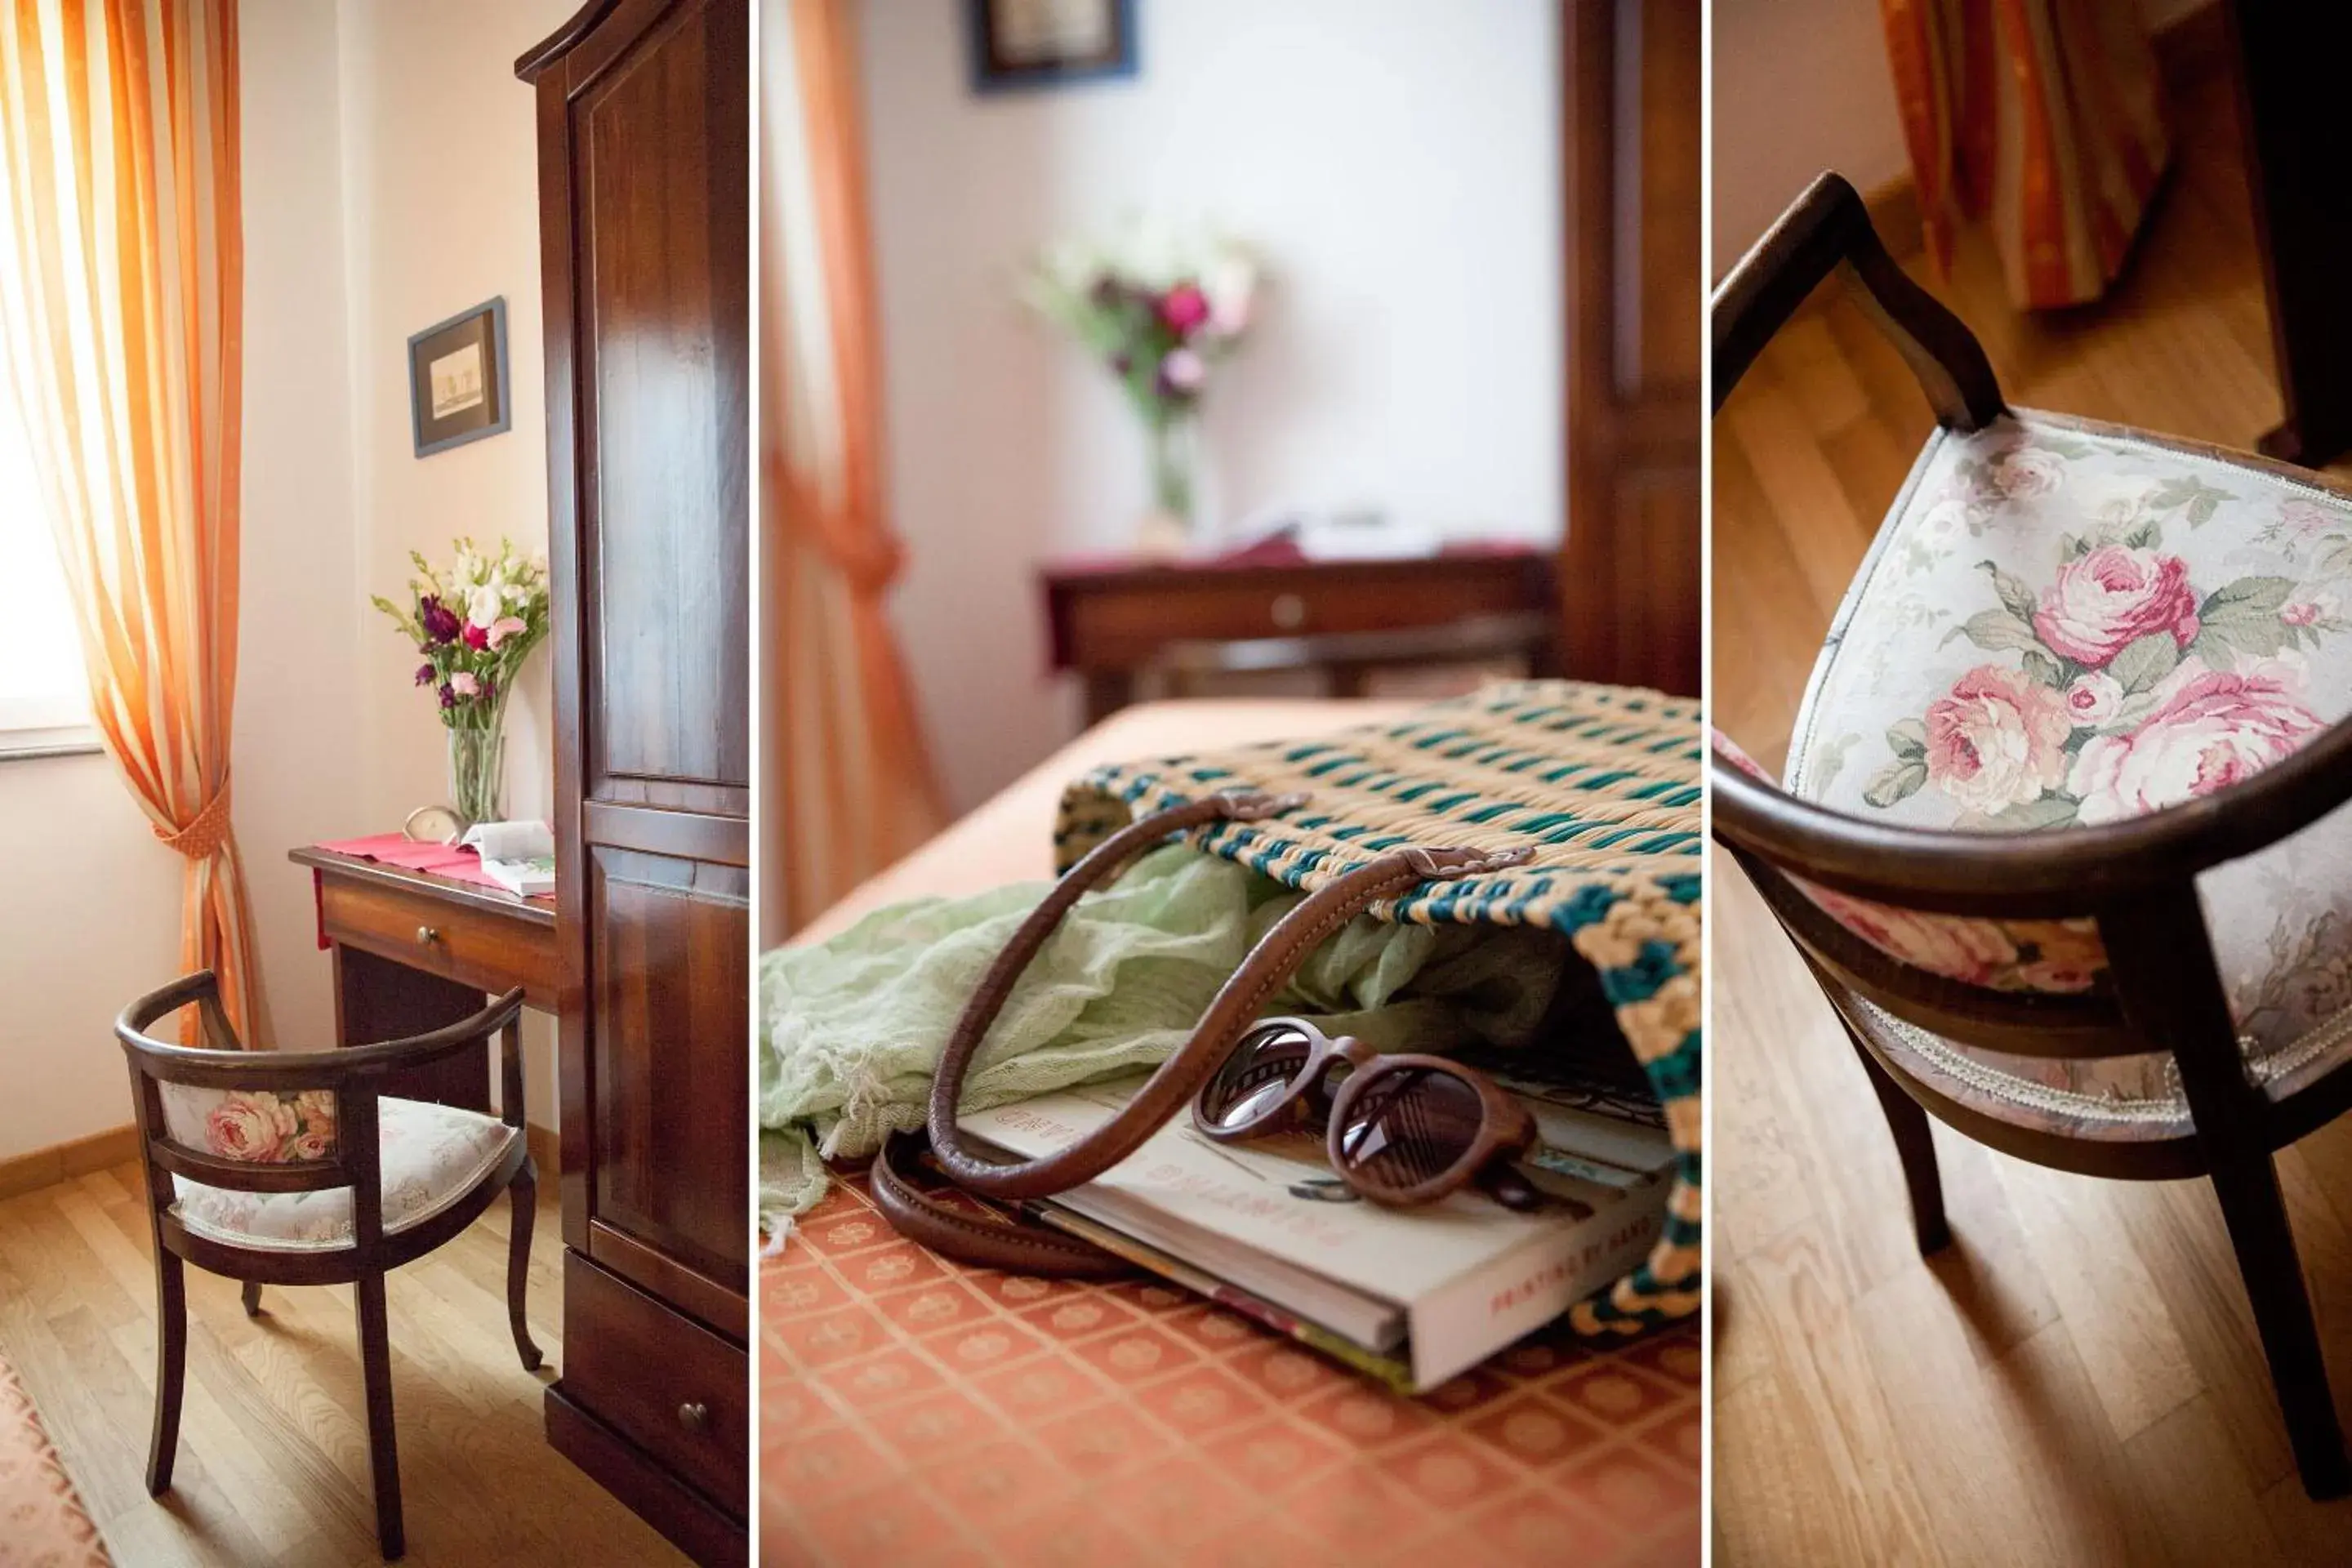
{"x": 1398, "y": 1130}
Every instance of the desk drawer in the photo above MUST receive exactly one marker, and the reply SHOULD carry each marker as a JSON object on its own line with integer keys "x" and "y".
{"x": 472, "y": 946}
{"x": 669, "y": 1385}
{"x": 1117, "y": 628}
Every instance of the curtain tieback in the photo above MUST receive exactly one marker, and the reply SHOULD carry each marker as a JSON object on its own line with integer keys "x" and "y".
{"x": 201, "y": 839}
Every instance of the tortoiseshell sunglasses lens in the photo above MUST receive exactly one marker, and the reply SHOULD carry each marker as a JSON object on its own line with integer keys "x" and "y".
{"x": 1407, "y": 1126}
{"x": 1257, "y": 1077}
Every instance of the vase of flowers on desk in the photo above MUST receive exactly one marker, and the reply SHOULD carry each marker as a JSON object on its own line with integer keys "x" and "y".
{"x": 474, "y": 625}
{"x": 1158, "y": 314}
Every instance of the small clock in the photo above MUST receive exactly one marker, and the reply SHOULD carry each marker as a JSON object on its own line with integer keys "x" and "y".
{"x": 432, "y": 825}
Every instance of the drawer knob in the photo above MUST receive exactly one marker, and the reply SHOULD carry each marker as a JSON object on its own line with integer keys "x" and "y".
{"x": 429, "y": 935}
{"x": 1289, "y": 611}
{"x": 695, "y": 1417}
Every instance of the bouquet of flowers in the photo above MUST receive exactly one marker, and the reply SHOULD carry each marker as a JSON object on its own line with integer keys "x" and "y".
{"x": 1157, "y": 313}
{"x": 475, "y": 624}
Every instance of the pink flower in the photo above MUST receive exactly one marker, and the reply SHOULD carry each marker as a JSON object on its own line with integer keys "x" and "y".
{"x": 312, "y": 1143}
{"x": 504, "y": 627}
{"x": 1182, "y": 370}
{"x": 1997, "y": 740}
{"x": 2209, "y": 730}
{"x": 249, "y": 1127}
{"x": 1955, "y": 946}
{"x": 2093, "y": 699}
{"x": 2112, "y": 597}
{"x": 2306, "y": 517}
{"x": 464, "y": 684}
{"x": 2307, "y": 612}
{"x": 2022, "y": 473}
{"x": 2047, "y": 975}
{"x": 475, "y": 637}
{"x": 1183, "y": 307}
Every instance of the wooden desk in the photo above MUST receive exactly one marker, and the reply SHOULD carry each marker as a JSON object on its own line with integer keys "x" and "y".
{"x": 414, "y": 952}
{"x": 1111, "y": 620}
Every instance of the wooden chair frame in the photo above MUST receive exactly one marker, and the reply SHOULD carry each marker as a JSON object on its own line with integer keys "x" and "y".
{"x": 2136, "y": 878}
{"x": 355, "y": 1078}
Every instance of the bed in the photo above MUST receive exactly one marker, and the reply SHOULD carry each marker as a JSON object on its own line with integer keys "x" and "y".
{"x": 914, "y": 1411}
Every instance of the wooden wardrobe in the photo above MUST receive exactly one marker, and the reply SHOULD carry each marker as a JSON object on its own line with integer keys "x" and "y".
{"x": 645, "y": 212}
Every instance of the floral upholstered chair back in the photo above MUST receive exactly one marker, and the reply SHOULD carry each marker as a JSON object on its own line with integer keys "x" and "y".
{"x": 2063, "y": 624}
{"x": 266, "y": 1126}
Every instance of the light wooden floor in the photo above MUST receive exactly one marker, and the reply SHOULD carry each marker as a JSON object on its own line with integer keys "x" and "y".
{"x": 2077, "y": 1381}
{"x": 273, "y": 1465}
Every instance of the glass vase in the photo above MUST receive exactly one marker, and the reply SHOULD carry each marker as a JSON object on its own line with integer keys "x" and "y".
{"x": 1171, "y": 449}
{"x": 477, "y": 760}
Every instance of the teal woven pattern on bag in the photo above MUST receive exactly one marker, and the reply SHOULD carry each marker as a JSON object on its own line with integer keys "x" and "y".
{"x": 1600, "y": 782}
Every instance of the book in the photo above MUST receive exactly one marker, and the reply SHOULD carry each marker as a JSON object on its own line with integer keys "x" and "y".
{"x": 518, "y": 855}
{"x": 1414, "y": 1295}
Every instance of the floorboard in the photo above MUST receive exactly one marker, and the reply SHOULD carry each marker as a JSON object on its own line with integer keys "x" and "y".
{"x": 273, "y": 1463}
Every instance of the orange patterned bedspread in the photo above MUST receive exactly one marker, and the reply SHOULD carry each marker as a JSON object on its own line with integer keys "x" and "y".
{"x": 914, "y": 1412}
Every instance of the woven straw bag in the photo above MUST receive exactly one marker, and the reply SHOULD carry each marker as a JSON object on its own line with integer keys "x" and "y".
{"x": 1601, "y": 784}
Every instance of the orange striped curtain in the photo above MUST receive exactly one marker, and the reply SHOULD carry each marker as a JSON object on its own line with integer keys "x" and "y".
{"x": 121, "y": 289}
{"x": 2046, "y": 116}
{"x": 855, "y": 789}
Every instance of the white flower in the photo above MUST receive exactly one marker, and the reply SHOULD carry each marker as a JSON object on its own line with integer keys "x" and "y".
{"x": 1229, "y": 281}
{"x": 483, "y": 605}
{"x": 1184, "y": 370}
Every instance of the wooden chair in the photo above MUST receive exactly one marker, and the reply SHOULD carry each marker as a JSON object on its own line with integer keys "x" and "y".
{"x": 2022, "y": 896}
{"x": 293, "y": 1168}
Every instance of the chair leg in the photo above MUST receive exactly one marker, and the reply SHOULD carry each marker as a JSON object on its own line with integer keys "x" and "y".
{"x": 2264, "y": 1242}
{"x": 253, "y": 1298}
{"x": 1916, "y": 1145}
{"x": 384, "y": 1453}
{"x": 524, "y": 1192}
{"x": 171, "y": 1367}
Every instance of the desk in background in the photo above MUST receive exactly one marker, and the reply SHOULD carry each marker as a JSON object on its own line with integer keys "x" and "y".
{"x": 413, "y": 951}
{"x": 1112, "y": 620}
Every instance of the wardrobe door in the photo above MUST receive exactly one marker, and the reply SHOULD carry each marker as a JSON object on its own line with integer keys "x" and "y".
{"x": 655, "y": 129}
{"x": 645, "y": 235}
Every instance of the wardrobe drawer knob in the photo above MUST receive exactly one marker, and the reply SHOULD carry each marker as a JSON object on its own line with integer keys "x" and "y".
{"x": 429, "y": 935}
{"x": 694, "y": 1416}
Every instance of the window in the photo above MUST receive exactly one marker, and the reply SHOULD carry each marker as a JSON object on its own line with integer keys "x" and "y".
{"x": 44, "y": 696}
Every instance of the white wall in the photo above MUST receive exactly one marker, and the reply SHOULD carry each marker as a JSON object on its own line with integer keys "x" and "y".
{"x": 390, "y": 180}
{"x": 1801, "y": 86}
{"x": 1396, "y": 162}
{"x": 91, "y": 920}
{"x": 301, "y": 737}
{"x": 440, "y": 197}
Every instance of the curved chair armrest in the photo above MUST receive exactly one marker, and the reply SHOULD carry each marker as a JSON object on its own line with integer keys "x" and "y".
{"x": 172, "y": 1063}
{"x": 1828, "y": 230}
{"x": 2051, "y": 872}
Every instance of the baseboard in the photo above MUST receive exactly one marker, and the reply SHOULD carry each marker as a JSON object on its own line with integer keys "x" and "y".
{"x": 38, "y": 1168}
{"x": 2188, "y": 48}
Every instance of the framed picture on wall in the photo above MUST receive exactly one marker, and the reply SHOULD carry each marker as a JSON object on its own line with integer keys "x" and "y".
{"x": 1018, "y": 44}
{"x": 457, "y": 378}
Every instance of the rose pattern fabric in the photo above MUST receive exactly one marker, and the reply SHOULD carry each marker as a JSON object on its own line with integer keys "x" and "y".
{"x": 2005, "y": 956}
{"x": 2061, "y": 626}
{"x": 257, "y": 1124}
{"x": 431, "y": 1155}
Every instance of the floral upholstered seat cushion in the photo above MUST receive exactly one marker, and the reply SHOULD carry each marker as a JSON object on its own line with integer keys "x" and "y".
{"x": 432, "y": 1155}
{"x": 2063, "y": 624}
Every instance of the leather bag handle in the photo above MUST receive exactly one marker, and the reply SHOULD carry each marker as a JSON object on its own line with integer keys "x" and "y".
{"x": 1235, "y": 1006}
